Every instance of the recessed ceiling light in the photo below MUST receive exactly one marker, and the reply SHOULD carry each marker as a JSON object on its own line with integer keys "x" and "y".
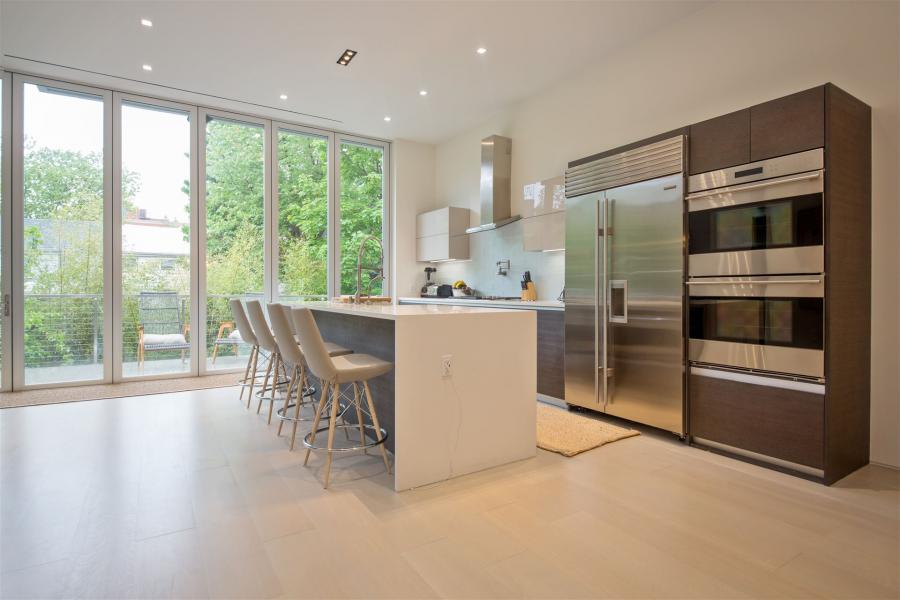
{"x": 147, "y": 68}
{"x": 146, "y": 22}
{"x": 346, "y": 57}
{"x": 423, "y": 92}
{"x": 481, "y": 50}
{"x": 387, "y": 119}
{"x": 283, "y": 96}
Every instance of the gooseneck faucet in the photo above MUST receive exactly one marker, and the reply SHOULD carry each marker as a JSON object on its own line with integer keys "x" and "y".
{"x": 376, "y": 273}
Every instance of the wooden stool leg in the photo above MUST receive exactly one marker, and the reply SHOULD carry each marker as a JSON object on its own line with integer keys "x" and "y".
{"x": 244, "y": 380}
{"x": 331, "y": 425}
{"x": 265, "y": 381}
{"x": 300, "y": 392}
{"x": 287, "y": 400}
{"x": 255, "y": 358}
{"x": 375, "y": 423}
{"x": 319, "y": 410}
{"x": 359, "y": 417}
{"x": 279, "y": 365}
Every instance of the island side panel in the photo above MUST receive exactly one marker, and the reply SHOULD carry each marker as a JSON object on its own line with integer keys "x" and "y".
{"x": 366, "y": 335}
{"x": 483, "y": 414}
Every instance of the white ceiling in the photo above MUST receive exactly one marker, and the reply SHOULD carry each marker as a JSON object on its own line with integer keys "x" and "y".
{"x": 254, "y": 51}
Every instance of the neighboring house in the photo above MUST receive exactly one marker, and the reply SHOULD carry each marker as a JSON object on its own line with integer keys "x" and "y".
{"x": 145, "y": 239}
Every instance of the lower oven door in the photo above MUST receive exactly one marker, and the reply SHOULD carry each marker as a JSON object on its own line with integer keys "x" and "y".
{"x": 770, "y": 324}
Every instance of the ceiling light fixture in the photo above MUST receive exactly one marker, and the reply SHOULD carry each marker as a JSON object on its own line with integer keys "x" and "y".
{"x": 346, "y": 57}
{"x": 146, "y": 22}
{"x": 283, "y": 96}
{"x": 423, "y": 92}
{"x": 387, "y": 119}
{"x": 481, "y": 50}
{"x": 147, "y": 68}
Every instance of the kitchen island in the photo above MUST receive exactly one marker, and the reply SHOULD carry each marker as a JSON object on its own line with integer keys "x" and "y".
{"x": 445, "y": 421}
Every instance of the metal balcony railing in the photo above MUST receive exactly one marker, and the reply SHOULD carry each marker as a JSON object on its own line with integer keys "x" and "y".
{"x": 67, "y": 329}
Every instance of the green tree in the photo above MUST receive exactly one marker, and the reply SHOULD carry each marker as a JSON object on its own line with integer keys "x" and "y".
{"x": 63, "y": 243}
{"x": 362, "y": 206}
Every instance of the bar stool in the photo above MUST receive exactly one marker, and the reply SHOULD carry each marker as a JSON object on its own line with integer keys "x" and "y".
{"x": 332, "y": 372}
{"x": 273, "y": 366}
{"x": 246, "y": 333}
{"x": 292, "y": 357}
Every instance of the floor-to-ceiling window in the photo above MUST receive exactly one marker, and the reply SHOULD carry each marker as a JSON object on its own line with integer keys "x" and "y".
{"x": 129, "y": 222}
{"x": 155, "y": 254}
{"x": 362, "y": 210}
{"x": 63, "y": 210}
{"x": 302, "y": 208}
{"x": 235, "y": 184}
{"x": 4, "y": 236}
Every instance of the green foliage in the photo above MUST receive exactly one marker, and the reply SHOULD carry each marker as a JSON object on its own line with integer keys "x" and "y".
{"x": 362, "y": 206}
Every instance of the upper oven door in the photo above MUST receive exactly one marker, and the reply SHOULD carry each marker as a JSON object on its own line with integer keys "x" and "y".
{"x": 768, "y": 227}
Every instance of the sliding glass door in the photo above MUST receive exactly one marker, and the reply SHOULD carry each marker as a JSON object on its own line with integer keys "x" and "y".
{"x": 154, "y": 231}
{"x": 5, "y": 237}
{"x": 234, "y": 215}
{"x": 62, "y": 307}
{"x": 128, "y": 223}
{"x": 301, "y": 203}
{"x": 363, "y": 190}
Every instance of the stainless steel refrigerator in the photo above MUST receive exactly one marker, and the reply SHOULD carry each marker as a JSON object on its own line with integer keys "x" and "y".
{"x": 624, "y": 309}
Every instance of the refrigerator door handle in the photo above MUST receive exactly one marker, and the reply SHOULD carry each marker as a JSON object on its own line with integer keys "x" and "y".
{"x": 618, "y": 300}
{"x": 604, "y": 282}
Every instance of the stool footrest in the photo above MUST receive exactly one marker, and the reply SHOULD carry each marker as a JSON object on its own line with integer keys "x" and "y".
{"x": 353, "y": 427}
{"x": 307, "y": 393}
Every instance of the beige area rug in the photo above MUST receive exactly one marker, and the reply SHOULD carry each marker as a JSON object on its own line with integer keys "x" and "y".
{"x": 115, "y": 390}
{"x": 566, "y": 433}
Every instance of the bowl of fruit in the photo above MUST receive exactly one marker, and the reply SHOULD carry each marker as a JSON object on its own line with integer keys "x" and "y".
{"x": 461, "y": 289}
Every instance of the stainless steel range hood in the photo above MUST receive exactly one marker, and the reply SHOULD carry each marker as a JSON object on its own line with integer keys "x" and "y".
{"x": 496, "y": 167}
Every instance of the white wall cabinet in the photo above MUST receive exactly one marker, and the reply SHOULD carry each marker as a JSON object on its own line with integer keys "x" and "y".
{"x": 441, "y": 234}
{"x": 543, "y": 215}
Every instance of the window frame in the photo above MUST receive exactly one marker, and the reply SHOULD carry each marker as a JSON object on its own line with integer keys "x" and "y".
{"x": 6, "y": 333}
{"x": 335, "y": 231}
{"x": 119, "y": 100}
{"x": 17, "y": 224}
{"x": 278, "y": 126}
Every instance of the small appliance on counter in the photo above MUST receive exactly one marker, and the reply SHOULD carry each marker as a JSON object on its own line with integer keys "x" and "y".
{"x": 430, "y": 289}
{"x": 529, "y": 292}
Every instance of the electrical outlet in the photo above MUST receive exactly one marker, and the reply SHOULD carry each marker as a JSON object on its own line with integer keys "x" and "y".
{"x": 446, "y": 365}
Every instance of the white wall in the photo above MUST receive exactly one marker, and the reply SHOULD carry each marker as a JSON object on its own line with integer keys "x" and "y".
{"x": 412, "y": 183}
{"x": 723, "y": 58}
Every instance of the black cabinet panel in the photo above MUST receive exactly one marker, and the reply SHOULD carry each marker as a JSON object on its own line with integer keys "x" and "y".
{"x": 785, "y": 424}
{"x": 551, "y": 353}
{"x": 787, "y": 125}
{"x": 720, "y": 142}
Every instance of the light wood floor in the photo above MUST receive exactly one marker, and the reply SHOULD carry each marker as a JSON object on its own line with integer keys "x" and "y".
{"x": 188, "y": 495}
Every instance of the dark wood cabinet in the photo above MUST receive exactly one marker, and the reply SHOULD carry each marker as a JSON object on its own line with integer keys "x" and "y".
{"x": 781, "y": 423}
{"x": 787, "y": 125}
{"x": 720, "y": 142}
{"x": 784, "y": 126}
{"x": 829, "y": 432}
{"x": 551, "y": 353}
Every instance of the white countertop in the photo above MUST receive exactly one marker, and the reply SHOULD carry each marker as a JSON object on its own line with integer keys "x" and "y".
{"x": 394, "y": 311}
{"x": 516, "y": 304}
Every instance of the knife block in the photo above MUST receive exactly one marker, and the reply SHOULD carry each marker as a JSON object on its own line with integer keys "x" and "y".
{"x": 529, "y": 294}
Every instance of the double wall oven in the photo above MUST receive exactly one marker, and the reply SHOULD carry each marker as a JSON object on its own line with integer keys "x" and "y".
{"x": 756, "y": 267}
